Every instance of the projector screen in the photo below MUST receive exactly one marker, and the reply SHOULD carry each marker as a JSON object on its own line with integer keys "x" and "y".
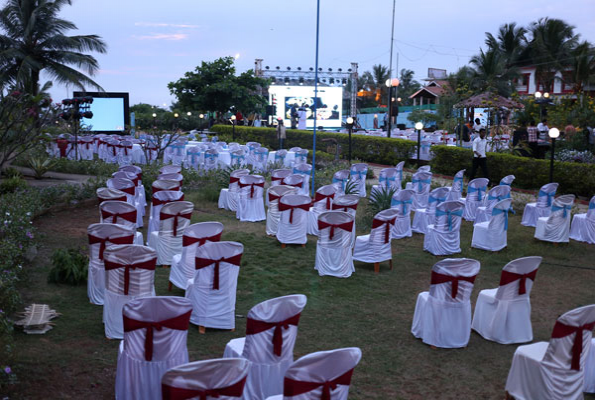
{"x": 110, "y": 112}
{"x": 329, "y": 108}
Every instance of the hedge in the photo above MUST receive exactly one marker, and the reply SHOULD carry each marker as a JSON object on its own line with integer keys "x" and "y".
{"x": 365, "y": 148}
{"x": 530, "y": 173}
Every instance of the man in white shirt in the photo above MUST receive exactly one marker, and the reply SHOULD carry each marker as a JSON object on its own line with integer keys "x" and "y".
{"x": 477, "y": 126}
{"x": 543, "y": 129}
{"x": 479, "y": 155}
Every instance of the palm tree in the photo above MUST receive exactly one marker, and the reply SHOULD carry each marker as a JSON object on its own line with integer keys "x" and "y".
{"x": 376, "y": 80}
{"x": 583, "y": 66}
{"x": 490, "y": 73}
{"x": 34, "y": 39}
{"x": 510, "y": 43}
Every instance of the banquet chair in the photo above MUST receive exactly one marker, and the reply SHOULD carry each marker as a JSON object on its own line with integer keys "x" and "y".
{"x": 295, "y": 149}
{"x": 155, "y": 335}
{"x": 271, "y": 332}
{"x": 139, "y": 189}
{"x": 135, "y": 169}
{"x": 503, "y": 314}
{"x": 238, "y": 158}
{"x": 164, "y": 184}
{"x": 170, "y": 169}
{"x": 425, "y": 216}
{"x": 207, "y": 379}
{"x": 261, "y": 159}
{"x": 320, "y": 375}
{"x": 109, "y": 194}
{"x": 421, "y": 184}
{"x": 305, "y": 170}
{"x": 301, "y": 157}
{"x": 554, "y": 369}
{"x": 129, "y": 187}
{"x": 375, "y": 247}
{"x": 388, "y": 179}
{"x": 476, "y": 191}
{"x": 335, "y": 240}
{"x": 293, "y": 219}
{"x": 402, "y": 202}
{"x": 193, "y": 158}
{"x": 228, "y": 197}
{"x": 274, "y": 194}
{"x": 85, "y": 148}
{"x": 175, "y": 176}
{"x": 157, "y": 202}
{"x": 111, "y": 154}
{"x": 149, "y": 154}
{"x": 174, "y": 217}
{"x": 492, "y": 234}
{"x": 175, "y": 152}
{"x": 195, "y": 235}
{"x": 582, "y": 228}
{"x": 443, "y": 237}
{"x": 590, "y": 370}
{"x": 252, "y": 146}
{"x": 295, "y": 180}
{"x": 278, "y": 175}
{"x": 100, "y": 236}
{"x": 280, "y": 157}
{"x": 442, "y": 316}
{"x": 340, "y": 179}
{"x": 507, "y": 180}
{"x": 495, "y": 194}
{"x": 399, "y": 168}
{"x": 357, "y": 174}
{"x": 250, "y": 199}
{"x": 424, "y": 168}
{"x": 129, "y": 274}
{"x": 125, "y": 153}
{"x": 541, "y": 208}
{"x": 212, "y": 290}
{"x": 323, "y": 200}
{"x": 458, "y": 184}
{"x": 556, "y": 227}
{"x": 121, "y": 213}
{"x": 347, "y": 203}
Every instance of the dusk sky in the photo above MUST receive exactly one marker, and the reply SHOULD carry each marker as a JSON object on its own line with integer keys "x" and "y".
{"x": 151, "y": 43}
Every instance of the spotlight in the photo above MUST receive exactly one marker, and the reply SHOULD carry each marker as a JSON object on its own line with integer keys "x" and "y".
{"x": 267, "y": 67}
{"x": 320, "y": 69}
{"x": 330, "y": 70}
{"x": 277, "y": 67}
{"x": 349, "y": 70}
{"x": 311, "y": 69}
{"x": 299, "y": 68}
{"x": 288, "y": 68}
{"x": 331, "y": 81}
{"x": 340, "y": 69}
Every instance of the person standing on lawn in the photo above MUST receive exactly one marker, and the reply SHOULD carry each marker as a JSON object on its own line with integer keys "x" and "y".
{"x": 479, "y": 155}
{"x": 281, "y": 133}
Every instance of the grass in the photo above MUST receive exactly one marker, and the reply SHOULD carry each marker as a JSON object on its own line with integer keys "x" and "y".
{"x": 369, "y": 311}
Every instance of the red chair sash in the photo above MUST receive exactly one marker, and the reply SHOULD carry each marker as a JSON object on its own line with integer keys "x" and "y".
{"x": 508, "y": 277}
{"x": 297, "y": 185}
{"x": 285, "y": 207}
{"x": 157, "y": 202}
{"x": 174, "y": 393}
{"x": 163, "y": 216}
{"x": 233, "y": 179}
{"x": 328, "y": 197}
{"x": 62, "y": 146}
{"x": 125, "y": 148}
{"x": 562, "y": 330}
{"x": 156, "y": 189}
{"x": 273, "y": 197}
{"x": 189, "y": 240}
{"x": 103, "y": 241}
{"x": 129, "y": 190}
{"x": 85, "y": 143}
{"x": 243, "y": 185}
{"x": 292, "y": 387}
{"x": 344, "y": 207}
{"x": 347, "y": 227}
{"x": 179, "y": 323}
{"x": 205, "y": 262}
{"x": 276, "y": 178}
{"x": 387, "y": 224}
{"x": 148, "y": 265}
{"x": 127, "y": 216}
{"x": 254, "y": 326}
{"x": 102, "y": 199}
{"x": 438, "y": 278}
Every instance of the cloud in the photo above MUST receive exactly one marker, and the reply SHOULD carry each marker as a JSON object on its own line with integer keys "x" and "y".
{"x": 163, "y": 36}
{"x": 166, "y": 25}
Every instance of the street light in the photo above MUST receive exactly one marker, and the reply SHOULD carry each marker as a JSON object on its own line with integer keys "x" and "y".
{"x": 553, "y": 133}
{"x": 542, "y": 99}
{"x": 154, "y": 120}
{"x": 538, "y": 95}
{"x": 233, "y": 127}
{"x": 390, "y": 83}
{"x": 349, "y": 121}
{"x": 189, "y": 114}
{"x": 418, "y": 126}
{"x": 202, "y": 123}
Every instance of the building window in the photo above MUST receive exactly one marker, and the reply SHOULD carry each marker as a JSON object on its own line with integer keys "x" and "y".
{"x": 522, "y": 84}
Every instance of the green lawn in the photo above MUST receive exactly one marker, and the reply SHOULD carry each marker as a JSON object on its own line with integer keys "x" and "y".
{"x": 369, "y": 311}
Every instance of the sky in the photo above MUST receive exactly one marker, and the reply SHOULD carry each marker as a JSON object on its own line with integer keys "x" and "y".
{"x": 151, "y": 42}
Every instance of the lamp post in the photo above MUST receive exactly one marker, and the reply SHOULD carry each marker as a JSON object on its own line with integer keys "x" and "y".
{"x": 154, "y": 120}
{"x": 350, "y": 129}
{"x": 553, "y": 133}
{"x": 202, "y": 123}
{"x": 418, "y": 126}
{"x": 390, "y": 83}
{"x": 176, "y": 116}
{"x": 542, "y": 99}
{"x": 233, "y": 127}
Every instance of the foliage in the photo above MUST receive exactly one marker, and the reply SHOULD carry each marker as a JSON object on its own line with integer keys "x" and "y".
{"x": 424, "y": 116}
{"x": 214, "y": 86}
{"x": 375, "y": 81}
{"x": 35, "y": 39}
{"x": 381, "y": 199}
{"x": 407, "y": 86}
{"x": 12, "y": 184}
{"x": 166, "y": 120}
{"x": 352, "y": 187}
{"x": 69, "y": 266}
{"x": 41, "y": 164}
{"x": 575, "y": 156}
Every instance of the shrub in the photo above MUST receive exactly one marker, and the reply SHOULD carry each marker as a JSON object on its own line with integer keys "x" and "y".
{"x": 69, "y": 266}
{"x": 12, "y": 184}
{"x": 380, "y": 199}
{"x": 40, "y": 165}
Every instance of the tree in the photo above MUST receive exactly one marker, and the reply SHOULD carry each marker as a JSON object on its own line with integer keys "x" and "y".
{"x": 214, "y": 86}
{"x": 376, "y": 81}
{"x": 407, "y": 86}
{"x": 583, "y": 67}
{"x": 34, "y": 40}
{"x": 510, "y": 43}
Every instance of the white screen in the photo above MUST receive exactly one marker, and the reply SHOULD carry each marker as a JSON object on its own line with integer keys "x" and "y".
{"x": 108, "y": 114}
{"x": 329, "y": 107}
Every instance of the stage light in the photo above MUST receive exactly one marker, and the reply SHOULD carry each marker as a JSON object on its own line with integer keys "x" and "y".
{"x": 311, "y": 69}
{"x": 289, "y": 68}
{"x": 189, "y": 113}
{"x": 267, "y": 67}
{"x": 299, "y": 68}
{"x": 330, "y": 70}
{"x": 237, "y": 56}
{"x": 340, "y": 70}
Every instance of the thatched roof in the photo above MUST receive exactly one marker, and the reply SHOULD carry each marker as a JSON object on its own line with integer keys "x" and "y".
{"x": 488, "y": 100}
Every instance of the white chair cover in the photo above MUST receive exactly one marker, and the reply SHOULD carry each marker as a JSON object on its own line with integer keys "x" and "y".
{"x": 271, "y": 332}
{"x": 305, "y": 170}
{"x": 100, "y": 236}
{"x": 223, "y": 379}
{"x": 260, "y": 160}
{"x": 542, "y": 207}
{"x": 340, "y": 179}
{"x": 228, "y": 197}
{"x": 211, "y": 159}
{"x": 507, "y": 180}
{"x": 399, "y": 168}
{"x": 323, "y": 201}
{"x": 174, "y": 217}
{"x": 421, "y": 184}
{"x": 195, "y": 235}
{"x": 157, "y": 202}
{"x": 155, "y": 333}
{"x": 321, "y": 375}
{"x": 425, "y": 216}
{"x": 121, "y": 213}
{"x": 551, "y": 370}
{"x": 238, "y": 158}
{"x": 458, "y": 184}
{"x": 492, "y": 235}
{"x": 476, "y": 191}
{"x": 165, "y": 184}
{"x": 442, "y": 316}
{"x": 212, "y": 290}
{"x": 295, "y": 180}
{"x": 388, "y": 178}
{"x": 125, "y": 152}
{"x": 85, "y": 148}
{"x": 443, "y": 237}
{"x": 347, "y": 203}
{"x": 301, "y": 157}
{"x": 358, "y": 174}
{"x": 278, "y": 175}
{"x": 129, "y": 187}
{"x": 274, "y": 194}
{"x": 251, "y": 202}
{"x": 129, "y": 274}
{"x": 583, "y": 225}
{"x": 293, "y": 220}
{"x": 556, "y": 227}
{"x": 402, "y": 201}
{"x": 590, "y": 369}
{"x": 376, "y": 246}
{"x": 333, "y": 249}
{"x": 194, "y": 158}
{"x": 172, "y": 177}
{"x": 107, "y": 194}
{"x": 503, "y": 314}
{"x": 136, "y": 178}
{"x": 495, "y": 194}
{"x": 170, "y": 169}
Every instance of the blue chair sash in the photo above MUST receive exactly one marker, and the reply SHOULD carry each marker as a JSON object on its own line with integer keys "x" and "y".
{"x": 420, "y": 183}
{"x": 438, "y": 200}
{"x": 480, "y": 191}
{"x": 549, "y": 195}
{"x": 193, "y": 155}
{"x": 279, "y": 157}
{"x": 359, "y": 174}
{"x": 212, "y": 156}
{"x": 387, "y": 180}
{"x": 565, "y": 208}
{"x": 177, "y": 149}
{"x": 497, "y": 211}
{"x": 402, "y": 203}
{"x": 591, "y": 205}
{"x": 342, "y": 181}
{"x": 297, "y": 171}
{"x": 301, "y": 157}
{"x": 458, "y": 213}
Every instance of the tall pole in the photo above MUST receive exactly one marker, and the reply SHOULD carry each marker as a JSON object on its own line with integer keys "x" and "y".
{"x": 552, "y": 160}
{"x": 418, "y": 147}
{"x": 390, "y": 100}
{"x": 390, "y": 63}
{"x": 350, "y": 131}
{"x": 315, "y": 95}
